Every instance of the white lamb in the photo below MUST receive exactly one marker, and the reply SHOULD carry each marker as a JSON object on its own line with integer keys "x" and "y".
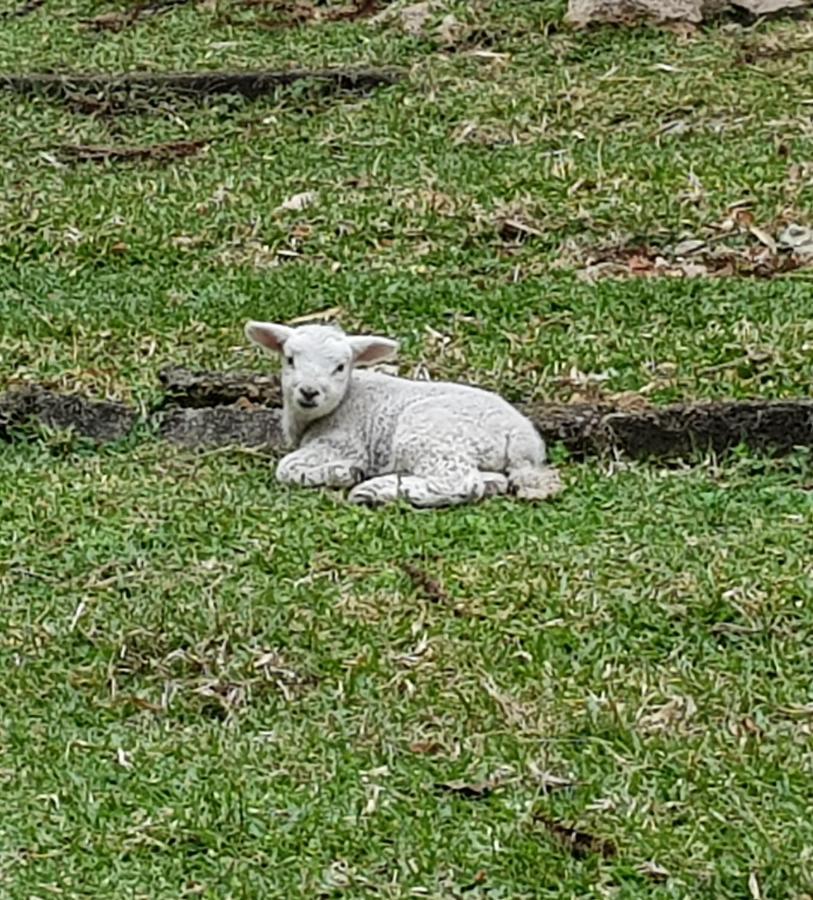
{"x": 432, "y": 443}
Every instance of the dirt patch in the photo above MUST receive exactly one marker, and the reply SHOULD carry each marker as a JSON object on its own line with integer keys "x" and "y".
{"x": 118, "y": 19}
{"x": 580, "y": 844}
{"x": 103, "y": 153}
{"x": 585, "y": 429}
{"x": 100, "y": 421}
{"x": 220, "y": 409}
{"x": 298, "y": 13}
{"x": 680, "y": 430}
{"x": 100, "y": 91}
{"x": 198, "y": 389}
{"x": 23, "y": 10}
{"x": 223, "y": 426}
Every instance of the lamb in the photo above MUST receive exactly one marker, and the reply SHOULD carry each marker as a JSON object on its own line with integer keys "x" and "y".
{"x": 433, "y": 443}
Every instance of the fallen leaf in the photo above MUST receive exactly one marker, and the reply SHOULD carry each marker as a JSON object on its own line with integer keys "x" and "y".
{"x": 516, "y": 229}
{"x": 671, "y": 714}
{"x": 416, "y": 655}
{"x": 425, "y": 747}
{"x": 689, "y": 246}
{"x": 450, "y": 30}
{"x": 763, "y": 237}
{"x": 743, "y": 217}
{"x": 653, "y": 870}
{"x": 471, "y": 791}
{"x": 297, "y": 202}
{"x": 480, "y": 878}
{"x": 753, "y": 886}
{"x": 432, "y": 588}
{"x": 693, "y": 258}
{"x": 549, "y": 782}
{"x": 579, "y": 843}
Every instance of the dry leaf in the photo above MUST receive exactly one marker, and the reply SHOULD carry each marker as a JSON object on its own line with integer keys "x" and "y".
{"x": 432, "y": 588}
{"x": 297, "y": 202}
{"x": 450, "y": 30}
{"x": 469, "y": 790}
{"x": 427, "y": 747}
{"x": 549, "y": 782}
{"x": 332, "y": 312}
{"x": 763, "y": 237}
{"x": 579, "y": 843}
{"x": 753, "y": 886}
{"x": 653, "y": 870}
{"x": 516, "y": 229}
{"x": 670, "y": 714}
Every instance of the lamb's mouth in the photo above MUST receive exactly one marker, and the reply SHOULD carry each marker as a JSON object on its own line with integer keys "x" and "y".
{"x": 308, "y": 404}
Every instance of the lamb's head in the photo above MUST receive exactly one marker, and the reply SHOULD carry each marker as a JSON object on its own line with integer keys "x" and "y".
{"x": 317, "y": 363}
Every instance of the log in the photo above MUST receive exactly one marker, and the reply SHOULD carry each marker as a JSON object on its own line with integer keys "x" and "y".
{"x": 250, "y": 85}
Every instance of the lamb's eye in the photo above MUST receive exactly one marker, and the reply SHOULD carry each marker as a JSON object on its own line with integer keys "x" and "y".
{"x": 289, "y": 360}
{"x": 340, "y": 367}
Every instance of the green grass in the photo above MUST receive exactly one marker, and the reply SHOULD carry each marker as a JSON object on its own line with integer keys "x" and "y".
{"x": 216, "y": 687}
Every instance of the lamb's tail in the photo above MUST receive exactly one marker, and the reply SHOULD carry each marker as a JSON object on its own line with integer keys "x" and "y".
{"x": 534, "y": 482}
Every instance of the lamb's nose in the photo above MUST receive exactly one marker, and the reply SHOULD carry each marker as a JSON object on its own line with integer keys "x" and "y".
{"x": 308, "y": 394}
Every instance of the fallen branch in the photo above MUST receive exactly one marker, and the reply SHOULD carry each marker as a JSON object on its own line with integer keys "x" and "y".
{"x": 100, "y": 153}
{"x": 250, "y": 85}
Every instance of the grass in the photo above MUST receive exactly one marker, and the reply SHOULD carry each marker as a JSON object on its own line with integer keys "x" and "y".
{"x": 215, "y": 687}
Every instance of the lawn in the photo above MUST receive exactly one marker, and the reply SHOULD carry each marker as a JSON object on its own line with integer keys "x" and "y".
{"x": 217, "y": 687}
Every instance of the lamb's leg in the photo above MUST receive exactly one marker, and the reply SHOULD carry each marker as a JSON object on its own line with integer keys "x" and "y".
{"x": 313, "y": 467}
{"x": 534, "y": 482}
{"x": 428, "y": 492}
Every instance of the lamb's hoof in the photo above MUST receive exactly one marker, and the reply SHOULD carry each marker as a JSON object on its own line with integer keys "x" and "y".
{"x": 548, "y": 485}
{"x": 361, "y": 496}
{"x": 494, "y": 484}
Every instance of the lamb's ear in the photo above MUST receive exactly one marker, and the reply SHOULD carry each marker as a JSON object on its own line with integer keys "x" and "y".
{"x": 369, "y": 350}
{"x": 268, "y": 335}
